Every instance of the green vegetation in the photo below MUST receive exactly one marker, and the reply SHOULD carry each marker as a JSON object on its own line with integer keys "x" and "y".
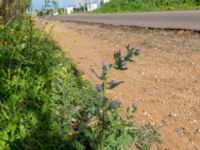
{"x": 41, "y": 92}
{"x": 45, "y": 103}
{"x": 147, "y": 5}
{"x": 10, "y": 9}
{"x": 115, "y": 133}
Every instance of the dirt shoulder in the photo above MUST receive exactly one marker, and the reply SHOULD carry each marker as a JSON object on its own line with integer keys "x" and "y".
{"x": 164, "y": 80}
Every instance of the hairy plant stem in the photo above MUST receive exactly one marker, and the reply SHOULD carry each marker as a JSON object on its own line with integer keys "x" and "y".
{"x": 103, "y": 126}
{"x": 102, "y": 134}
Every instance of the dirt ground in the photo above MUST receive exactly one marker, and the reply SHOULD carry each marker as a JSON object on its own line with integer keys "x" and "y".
{"x": 164, "y": 80}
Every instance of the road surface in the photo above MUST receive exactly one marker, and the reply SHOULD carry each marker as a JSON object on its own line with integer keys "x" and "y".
{"x": 189, "y": 20}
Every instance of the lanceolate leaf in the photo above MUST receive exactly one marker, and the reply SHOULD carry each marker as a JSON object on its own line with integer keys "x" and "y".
{"x": 113, "y": 84}
{"x": 97, "y": 75}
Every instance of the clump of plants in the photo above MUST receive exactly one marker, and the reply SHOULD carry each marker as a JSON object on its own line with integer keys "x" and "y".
{"x": 112, "y": 131}
{"x": 46, "y": 103}
{"x": 41, "y": 92}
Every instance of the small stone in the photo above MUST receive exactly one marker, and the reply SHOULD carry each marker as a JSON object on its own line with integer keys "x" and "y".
{"x": 193, "y": 121}
{"x": 198, "y": 131}
{"x": 172, "y": 115}
{"x": 166, "y": 122}
{"x": 163, "y": 102}
{"x": 153, "y": 123}
{"x": 146, "y": 114}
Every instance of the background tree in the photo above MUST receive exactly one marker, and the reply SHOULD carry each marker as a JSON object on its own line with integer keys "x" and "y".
{"x": 11, "y": 9}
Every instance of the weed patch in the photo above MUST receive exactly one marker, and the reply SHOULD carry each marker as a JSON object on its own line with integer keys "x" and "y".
{"x": 46, "y": 104}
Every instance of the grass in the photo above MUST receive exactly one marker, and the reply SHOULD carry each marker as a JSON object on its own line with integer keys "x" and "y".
{"x": 147, "y": 5}
{"x": 40, "y": 91}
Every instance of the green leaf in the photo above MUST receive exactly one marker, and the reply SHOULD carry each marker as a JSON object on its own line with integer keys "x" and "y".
{"x": 98, "y": 76}
{"x": 3, "y": 138}
{"x": 107, "y": 67}
{"x": 131, "y": 110}
{"x": 78, "y": 145}
{"x": 124, "y": 141}
{"x": 112, "y": 86}
{"x": 22, "y": 130}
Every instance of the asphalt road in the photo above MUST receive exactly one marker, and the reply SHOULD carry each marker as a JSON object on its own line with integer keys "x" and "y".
{"x": 189, "y": 20}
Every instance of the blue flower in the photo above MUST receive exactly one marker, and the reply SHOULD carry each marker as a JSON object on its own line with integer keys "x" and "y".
{"x": 113, "y": 82}
{"x": 104, "y": 64}
{"x": 123, "y": 62}
{"x": 115, "y": 104}
{"x": 103, "y": 73}
{"x": 98, "y": 87}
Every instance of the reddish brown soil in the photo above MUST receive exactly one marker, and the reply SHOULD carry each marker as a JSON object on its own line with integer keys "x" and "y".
{"x": 164, "y": 79}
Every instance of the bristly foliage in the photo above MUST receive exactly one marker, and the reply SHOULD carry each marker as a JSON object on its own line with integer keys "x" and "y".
{"x": 121, "y": 62}
{"x": 113, "y": 132}
{"x": 131, "y": 52}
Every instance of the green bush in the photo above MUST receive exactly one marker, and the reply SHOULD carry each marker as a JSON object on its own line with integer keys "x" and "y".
{"x": 147, "y": 5}
{"x": 40, "y": 90}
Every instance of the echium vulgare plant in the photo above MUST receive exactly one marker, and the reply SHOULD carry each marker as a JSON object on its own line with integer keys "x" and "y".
{"x": 115, "y": 133}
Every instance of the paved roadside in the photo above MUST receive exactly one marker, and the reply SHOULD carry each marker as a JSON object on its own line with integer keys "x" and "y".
{"x": 188, "y": 20}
